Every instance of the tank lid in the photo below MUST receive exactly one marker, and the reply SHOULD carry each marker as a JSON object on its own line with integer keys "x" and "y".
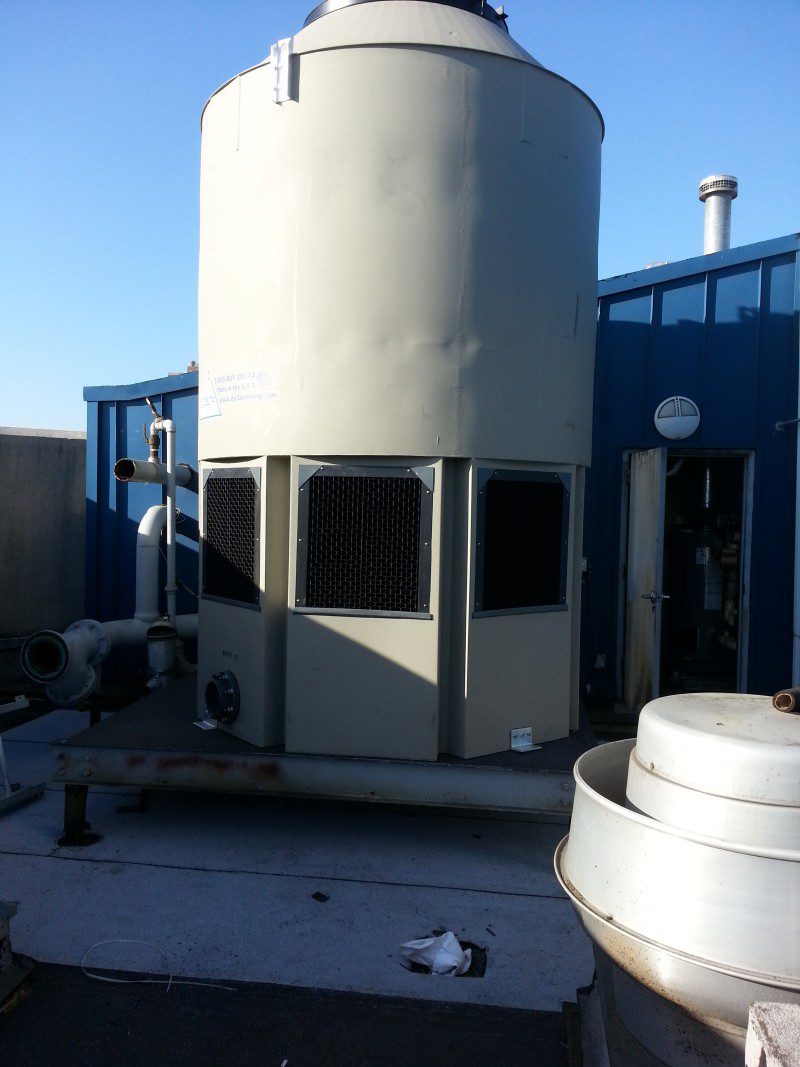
{"x": 416, "y": 23}
{"x": 477, "y": 7}
{"x": 726, "y": 744}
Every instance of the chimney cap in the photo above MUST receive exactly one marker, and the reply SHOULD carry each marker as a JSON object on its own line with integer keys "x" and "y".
{"x": 719, "y": 183}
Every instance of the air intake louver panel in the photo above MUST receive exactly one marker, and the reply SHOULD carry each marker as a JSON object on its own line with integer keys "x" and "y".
{"x": 523, "y": 525}
{"x": 230, "y": 544}
{"x": 364, "y": 541}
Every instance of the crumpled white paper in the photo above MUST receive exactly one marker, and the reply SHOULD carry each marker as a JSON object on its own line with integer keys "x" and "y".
{"x": 443, "y": 954}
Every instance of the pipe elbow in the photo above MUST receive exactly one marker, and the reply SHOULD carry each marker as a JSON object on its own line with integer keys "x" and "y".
{"x": 151, "y": 527}
{"x": 65, "y": 663}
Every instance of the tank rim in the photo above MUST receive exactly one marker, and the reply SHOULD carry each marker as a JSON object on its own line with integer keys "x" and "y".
{"x": 474, "y": 7}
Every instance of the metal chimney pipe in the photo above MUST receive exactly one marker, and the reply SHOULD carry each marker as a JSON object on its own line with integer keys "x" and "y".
{"x": 717, "y": 191}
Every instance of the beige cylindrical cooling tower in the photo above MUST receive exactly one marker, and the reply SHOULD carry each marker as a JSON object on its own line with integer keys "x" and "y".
{"x": 398, "y": 255}
{"x": 400, "y": 259}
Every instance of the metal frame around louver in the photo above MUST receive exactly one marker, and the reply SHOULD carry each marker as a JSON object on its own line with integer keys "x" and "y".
{"x": 425, "y": 475}
{"x": 484, "y": 476}
{"x": 230, "y": 473}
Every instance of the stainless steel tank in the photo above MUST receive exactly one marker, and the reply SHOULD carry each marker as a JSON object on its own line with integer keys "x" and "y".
{"x": 683, "y": 863}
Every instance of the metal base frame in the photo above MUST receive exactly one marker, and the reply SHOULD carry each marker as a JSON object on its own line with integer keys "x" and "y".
{"x": 14, "y": 969}
{"x": 154, "y": 745}
{"x": 19, "y": 796}
{"x": 13, "y": 794}
{"x": 76, "y": 828}
{"x": 333, "y": 778}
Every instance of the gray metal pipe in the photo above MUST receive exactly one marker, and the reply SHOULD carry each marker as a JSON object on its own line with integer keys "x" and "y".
{"x": 148, "y": 547}
{"x": 168, "y": 427}
{"x": 68, "y": 663}
{"x": 152, "y": 471}
{"x": 717, "y": 192}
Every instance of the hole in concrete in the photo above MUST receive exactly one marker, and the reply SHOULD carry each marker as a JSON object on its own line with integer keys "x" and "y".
{"x": 477, "y": 968}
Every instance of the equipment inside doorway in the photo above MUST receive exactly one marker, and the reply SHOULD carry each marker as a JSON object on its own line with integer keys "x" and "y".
{"x": 702, "y": 574}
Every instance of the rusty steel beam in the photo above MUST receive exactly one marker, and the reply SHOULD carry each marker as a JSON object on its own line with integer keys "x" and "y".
{"x": 441, "y": 784}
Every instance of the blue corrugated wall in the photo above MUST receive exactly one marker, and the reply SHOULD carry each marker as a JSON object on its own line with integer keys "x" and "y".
{"x": 115, "y": 417}
{"x": 722, "y": 330}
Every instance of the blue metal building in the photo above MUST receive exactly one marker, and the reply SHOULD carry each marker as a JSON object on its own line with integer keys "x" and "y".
{"x": 116, "y": 416}
{"x": 706, "y": 522}
{"x": 691, "y": 541}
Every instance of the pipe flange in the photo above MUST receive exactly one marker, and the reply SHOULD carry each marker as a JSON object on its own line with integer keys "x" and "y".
{"x": 96, "y": 629}
{"x": 45, "y": 657}
{"x": 222, "y": 697}
{"x": 63, "y": 692}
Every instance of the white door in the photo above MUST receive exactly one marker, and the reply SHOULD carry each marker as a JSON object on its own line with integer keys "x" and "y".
{"x": 648, "y": 480}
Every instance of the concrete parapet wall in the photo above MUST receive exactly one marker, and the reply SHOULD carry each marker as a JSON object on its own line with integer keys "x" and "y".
{"x": 42, "y": 516}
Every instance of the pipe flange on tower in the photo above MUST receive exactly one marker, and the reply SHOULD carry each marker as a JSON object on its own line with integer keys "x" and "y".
{"x": 65, "y": 663}
{"x": 100, "y": 645}
{"x": 45, "y": 656}
{"x": 222, "y": 697}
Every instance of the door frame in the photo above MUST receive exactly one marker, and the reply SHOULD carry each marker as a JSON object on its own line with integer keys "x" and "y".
{"x": 622, "y": 575}
{"x": 743, "y": 643}
{"x": 748, "y": 493}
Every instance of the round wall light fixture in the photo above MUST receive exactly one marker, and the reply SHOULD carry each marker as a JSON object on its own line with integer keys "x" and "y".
{"x": 677, "y": 418}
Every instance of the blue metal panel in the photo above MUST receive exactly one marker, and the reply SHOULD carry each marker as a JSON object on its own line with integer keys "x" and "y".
{"x": 775, "y": 506}
{"x": 676, "y": 367}
{"x": 92, "y": 506}
{"x": 728, "y": 408}
{"x": 174, "y": 383}
{"x": 108, "y": 559}
{"x": 116, "y": 416}
{"x": 723, "y": 330}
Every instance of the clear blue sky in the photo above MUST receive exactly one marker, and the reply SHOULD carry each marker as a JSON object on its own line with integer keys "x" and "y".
{"x": 99, "y": 116}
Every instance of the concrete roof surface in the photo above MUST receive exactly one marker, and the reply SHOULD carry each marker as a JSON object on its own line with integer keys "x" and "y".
{"x": 223, "y": 887}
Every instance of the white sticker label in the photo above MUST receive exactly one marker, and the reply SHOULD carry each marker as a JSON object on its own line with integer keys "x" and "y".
{"x": 237, "y": 388}
{"x": 209, "y": 408}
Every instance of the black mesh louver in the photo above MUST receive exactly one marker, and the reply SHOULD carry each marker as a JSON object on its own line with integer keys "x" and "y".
{"x": 523, "y": 521}
{"x": 230, "y": 544}
{"x": 364, "y": 541}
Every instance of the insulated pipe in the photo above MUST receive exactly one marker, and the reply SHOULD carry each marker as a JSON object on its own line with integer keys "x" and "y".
{"x": 167, "y": 426}
{"x": 65, "y": 662}
{"x": 68, "y": 663}
{"x": 152, "y": 471}
{"x": 787, "y": 700}
{"x": 186, "y": 625}
{"x": 162, "y": 655}
{"x": 148, "y": 546}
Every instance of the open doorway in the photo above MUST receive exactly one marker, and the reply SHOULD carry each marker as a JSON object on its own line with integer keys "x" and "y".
{"x": 703, "y": 513}
{"x": 684, "y": 577}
